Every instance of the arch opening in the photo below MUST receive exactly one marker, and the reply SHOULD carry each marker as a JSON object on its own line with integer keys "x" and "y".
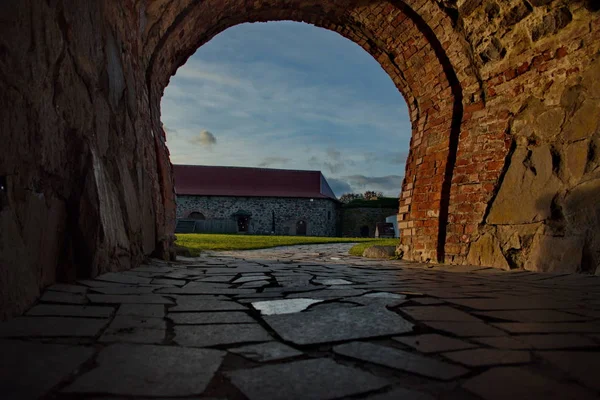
{"x": 197, "y": 216}
{"x": 421, "y": 67}
{"x": 289, "y": 96}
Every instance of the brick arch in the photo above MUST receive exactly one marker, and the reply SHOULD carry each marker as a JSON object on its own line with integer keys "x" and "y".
{"x": 405, "y": 46}
{"x": 84, "y": 169}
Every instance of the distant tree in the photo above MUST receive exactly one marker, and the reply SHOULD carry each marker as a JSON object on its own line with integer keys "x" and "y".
{"x": 348, "y": 197}
{"x": 372, "y": 195}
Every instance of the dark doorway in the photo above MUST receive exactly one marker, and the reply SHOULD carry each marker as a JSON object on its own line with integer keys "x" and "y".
{"x": 301, "y": 228}
{"x": 364, "y": 231}
{"x": 243, "y": 224}
{"x": 197, "y": 216}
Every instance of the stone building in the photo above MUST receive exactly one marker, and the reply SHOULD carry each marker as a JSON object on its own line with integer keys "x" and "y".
{"x": 256, "y": 200}
{"x": 361, "y": 221}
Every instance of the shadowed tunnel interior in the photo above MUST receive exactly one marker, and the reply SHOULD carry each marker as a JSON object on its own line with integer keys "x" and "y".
{"x": 86, "y": 172}
{"x": 501, "y": 183}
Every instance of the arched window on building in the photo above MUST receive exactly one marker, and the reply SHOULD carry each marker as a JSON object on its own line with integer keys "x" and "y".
{"x": 197, "y": 216}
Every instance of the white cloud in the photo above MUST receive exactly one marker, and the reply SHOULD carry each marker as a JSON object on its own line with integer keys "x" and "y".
{"x": 391, "y": 184}
{"x": 204, "y": 138}
{"x": 339, "y": 186}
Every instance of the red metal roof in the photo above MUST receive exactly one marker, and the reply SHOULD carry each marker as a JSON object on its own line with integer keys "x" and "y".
{"x": 249, "y": 182}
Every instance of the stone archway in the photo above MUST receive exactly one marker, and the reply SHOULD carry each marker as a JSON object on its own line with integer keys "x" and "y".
{"x": 407, "y": 48}
{"x": 499, "y": 97}
{"x": 198, "y": 216}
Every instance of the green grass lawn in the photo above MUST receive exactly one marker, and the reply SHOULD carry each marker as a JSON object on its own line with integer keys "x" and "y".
{"x": 357, "y": 250}
{"x": 196, "y": 242}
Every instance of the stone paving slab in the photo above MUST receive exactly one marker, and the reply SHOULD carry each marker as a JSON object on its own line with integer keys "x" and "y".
{"x": 63, "y": 297}
{"x": 146, "y": 370}
{"x": 503, "y": 383}
{"x": 383, "y": 299}
{"x": 318, "y": 379}
{"x": 52, "y": 327}
{"x": 130, "y": 299}
{"x": 123, "y": 278}
{"x": 189, "y": 304}
{"x": 485, "y": 357}
{"x": 251, "y": 278}
{"x": 135, "y": 329}
{"x": 231, "y": 317}
{"x": 174, "y": 282}
{"x": 216, "y": 279}
{"x": 63, "y": 287}
{"x": 510, "y": 303}
{"x": 287, "y": 306}
{"x": 546, "y": 327}
{"x": 556, "y": 341}
{"x": 439, "y": 313}
{"x": 329, "y": 293}
{"x": 28, "y": 370}
{"x": 502, "y": 342}
{"x": 212, "y": 335}
{"x": 581, "y": 366}
{"x": 401, "y": 394}
{"x": 427, "y": 301}
{"x": 187, "y": 289}
{"x": 466, "y": 329}
{"x": 254, "y": 284}
{"x": 337, "y": 325}
{"x": 93, "y": 283}
{"x": 124, "y": 289}
{"x": 434, "y": 343}
{"x": 533, "y": 316}
{"x": 478, "y": 317}
{"x": 401, "y": 360}
{"x": 270, "y": 351}
{"x": 60, "y": 310}
{"x": 142, "y": 310}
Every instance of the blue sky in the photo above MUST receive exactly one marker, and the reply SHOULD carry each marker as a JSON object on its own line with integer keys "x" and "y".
{"x": 293, "y": 96}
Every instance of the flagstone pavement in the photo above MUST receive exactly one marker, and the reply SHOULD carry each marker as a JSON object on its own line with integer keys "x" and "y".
{"x": 307, "y": 322}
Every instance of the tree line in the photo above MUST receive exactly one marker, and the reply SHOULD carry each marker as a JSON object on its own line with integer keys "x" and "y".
{"x": 368, "y": 195}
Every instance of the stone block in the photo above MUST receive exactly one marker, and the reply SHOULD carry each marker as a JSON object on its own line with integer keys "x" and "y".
{"x": 486, "y": 251}
{"x": 401, "y": 360}
{"x": 270, "y": 351}
{"x": 555, "y": 254}
{"x": 434, "y": 343}
{"x": 379, "y": 252}
{"x": 318, "y": 379}
{"x": 334, "y": 325}
{"x": 142, "y": 370}
{"x": 212, "y": 335}
{"x": 524, "y": 384}
{"x": 528, "y": 188}
{"x": 29, "y": 370}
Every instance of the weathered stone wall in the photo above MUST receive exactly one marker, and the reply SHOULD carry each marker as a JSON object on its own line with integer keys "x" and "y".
{"x": 352, "y": 219}
{"x": 526, "y": 182}
{"x": 319, "y": 214}
{"x": 502, "y": 95}
{"x": 87, "y": 186}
